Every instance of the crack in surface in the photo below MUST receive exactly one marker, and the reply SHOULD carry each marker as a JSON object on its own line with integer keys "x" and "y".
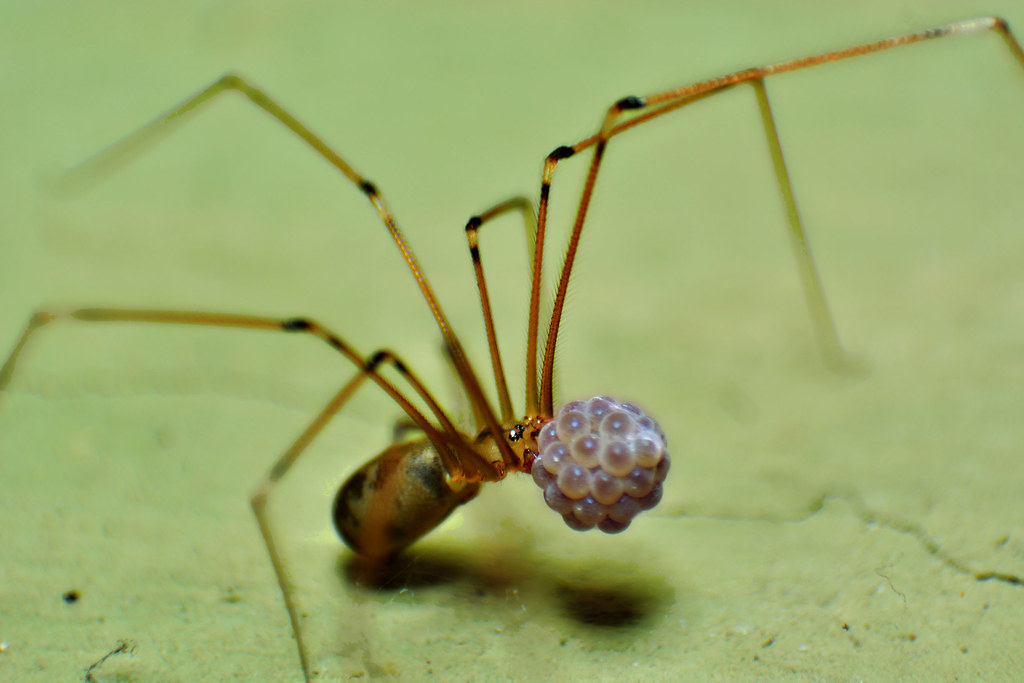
{"x": 888, "y": 580}
{"x": 918, "y": 532}
{"x": 871, "y": 517}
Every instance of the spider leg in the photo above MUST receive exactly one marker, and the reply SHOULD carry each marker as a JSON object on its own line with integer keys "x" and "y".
{"x": 119, "y": 153}
{"x": 259, "y": 507}
{"x": 458, "y": 456}
{"x": 260, "y": 498}
{"x": 824, "y": 325}
{"x": 656, "y": 105}
{"x": 524, "y": 206}
{"x": 402, "y": 428}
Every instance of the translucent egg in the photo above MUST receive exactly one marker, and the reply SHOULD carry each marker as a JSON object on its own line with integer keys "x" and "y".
{"x": 572, "y": 424}
{"x": 588, "y": 511}
{"x": 607, "y": 488}
{"x": 555, "y": 457}
{"x": 585, "y": 450}
{"x": 548, "y": 434}
{"x": 574, "y": 481}
{"x": 648, "y": 452}
{"x": 617, "y": 458}
{"x": 617, "y": 424}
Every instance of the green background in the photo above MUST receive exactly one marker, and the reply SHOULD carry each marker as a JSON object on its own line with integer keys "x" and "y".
{"x": 127, "y": 453}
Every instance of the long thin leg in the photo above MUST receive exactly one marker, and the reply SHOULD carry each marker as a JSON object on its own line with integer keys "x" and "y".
{"x": 259, "y": 508}
{"x": 261, "y": 498}
{"x": 120, "y": 152}
{"x": 458, "y": 456}
{"x": 524, "y": 206}
{"x": 824, "y": 325}
{"x": 475, "y": 464}
{"x": 658, "y": 104}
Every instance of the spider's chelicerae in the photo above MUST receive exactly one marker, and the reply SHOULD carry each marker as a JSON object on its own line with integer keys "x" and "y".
{"x": 598, "y": 461}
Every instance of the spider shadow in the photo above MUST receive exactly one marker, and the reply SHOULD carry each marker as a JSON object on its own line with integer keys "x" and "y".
{"x": 620, "y": 598}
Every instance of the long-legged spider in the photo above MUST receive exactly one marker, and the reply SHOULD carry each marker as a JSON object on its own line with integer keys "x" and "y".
{"x": 410, "y": 488}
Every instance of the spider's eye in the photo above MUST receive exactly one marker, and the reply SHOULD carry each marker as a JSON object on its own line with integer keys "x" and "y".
{"x": 601, "y": 463}
{"x": 516, "y": 433}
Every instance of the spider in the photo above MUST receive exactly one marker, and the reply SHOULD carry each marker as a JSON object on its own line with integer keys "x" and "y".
{"x": 599, "y": 461}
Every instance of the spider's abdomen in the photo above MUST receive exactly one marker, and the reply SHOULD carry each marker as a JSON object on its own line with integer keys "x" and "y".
{"x": 400, "y": 495}
{"x": 601, "y": 463}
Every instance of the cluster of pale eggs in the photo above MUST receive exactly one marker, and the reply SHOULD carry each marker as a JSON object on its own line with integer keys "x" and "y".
{"x": 601, "y": 463}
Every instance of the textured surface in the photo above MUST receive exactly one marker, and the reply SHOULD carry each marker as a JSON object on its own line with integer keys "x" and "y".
{"x": 816, "y": 526}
